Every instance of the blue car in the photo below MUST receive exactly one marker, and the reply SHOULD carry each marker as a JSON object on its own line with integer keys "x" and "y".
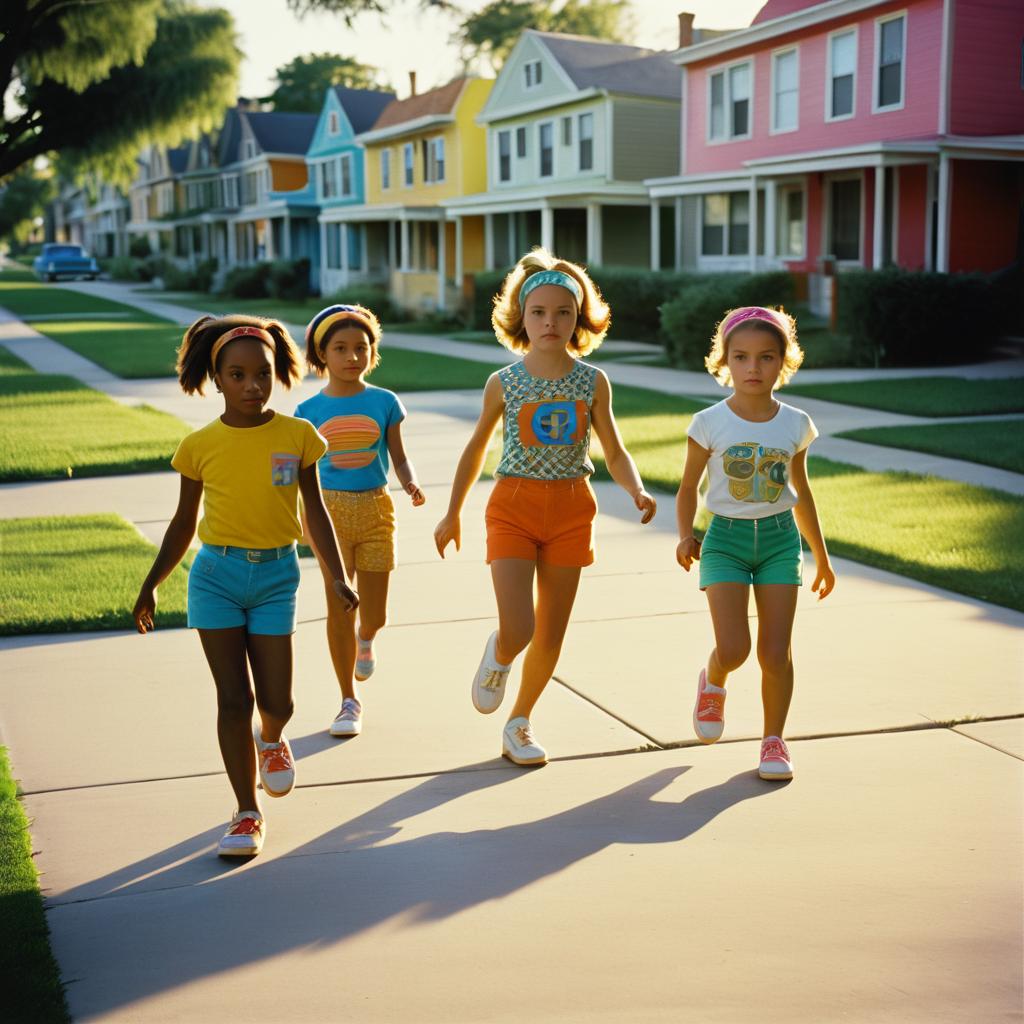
{"x": 58, "y": 259}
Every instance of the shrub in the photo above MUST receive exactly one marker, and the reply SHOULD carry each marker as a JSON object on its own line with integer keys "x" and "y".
{"x": 485, "y": 287}
{"x": 139, "y": 247}
{"x": 900, "y": 317}
{"x": 248, "y": 282}
{"x": 688, "y": 321}
{"x": 153, "y": 266}
{"x": 190, "y": 279}
{"x": 288, "y": 279}
{"x": 371, "y": 296}
{"x": 123, "y": 268}
{"x": 636, "y": 297}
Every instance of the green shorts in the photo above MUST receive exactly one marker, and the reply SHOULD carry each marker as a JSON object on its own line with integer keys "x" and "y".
{"x": 754, "y": 551}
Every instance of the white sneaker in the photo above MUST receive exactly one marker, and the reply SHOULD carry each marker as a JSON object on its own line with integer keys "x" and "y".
{"x": 349, "y": 721}
{"x": 365, "y": 661}
{"x": 491, "y": 677}
{"x": 776, "y": 764}
{"x": 277, "y": 767}
{"x": 244, "y": 837}
{"x": 519, "y": 745}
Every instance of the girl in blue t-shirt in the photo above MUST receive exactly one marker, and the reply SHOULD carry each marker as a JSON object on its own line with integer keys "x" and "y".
{"x": 362, "y": 425}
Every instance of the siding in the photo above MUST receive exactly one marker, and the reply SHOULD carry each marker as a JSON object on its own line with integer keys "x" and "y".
{"x": 913, "y": 195}
{"x": 645, "y": 140}
{"x": 981, "y": 234}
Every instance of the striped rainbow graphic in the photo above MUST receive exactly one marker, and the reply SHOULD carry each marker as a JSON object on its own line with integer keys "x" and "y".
{"x": 351, "y": 440}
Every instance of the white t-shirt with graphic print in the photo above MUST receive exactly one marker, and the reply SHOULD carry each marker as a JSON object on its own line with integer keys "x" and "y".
{"x": 748, "y": 471}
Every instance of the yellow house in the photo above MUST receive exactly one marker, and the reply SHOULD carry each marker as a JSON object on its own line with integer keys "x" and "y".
{"x": 422, "y": 150}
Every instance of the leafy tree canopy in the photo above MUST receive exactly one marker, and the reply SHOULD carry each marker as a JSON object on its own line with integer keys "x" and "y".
{"x": 98, "y": 81}
{"x": 301, "y": 82}
{"x": 348, "y": 9}
{"x": 23, "y": 197}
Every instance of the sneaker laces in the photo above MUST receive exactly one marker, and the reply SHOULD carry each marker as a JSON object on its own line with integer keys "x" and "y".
{"x": 774, "y": 748}
{"x": 246, "y": 827}
{"x": 495, "y": 678}
{"x": 711, "y": 704}
{"x": 349, "y": 709}
{"x": 525, "y": 734}
{"x": 276, "y": 759}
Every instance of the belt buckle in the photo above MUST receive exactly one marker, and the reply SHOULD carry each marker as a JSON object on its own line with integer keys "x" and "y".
{"x": 253, "y": 556}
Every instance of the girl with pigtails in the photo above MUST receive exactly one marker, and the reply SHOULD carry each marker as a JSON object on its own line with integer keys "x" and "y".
{"x": 249, "y": 467}
{"x": 540, "y": 516}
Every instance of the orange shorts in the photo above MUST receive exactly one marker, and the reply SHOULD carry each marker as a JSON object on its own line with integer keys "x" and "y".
{"x": 544, "y": 520}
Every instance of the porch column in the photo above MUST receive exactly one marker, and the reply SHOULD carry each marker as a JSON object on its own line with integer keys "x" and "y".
{"x": 595, "y": 243}
{"x": 942, "y": 229}
{"x": 488, "y": 241}
{"x": 392, "y": 246}
{"x": 459, "y": 271}
{"x": 324, "y": 269}
{"x": 364, "y": 249}
{"x": 286, "y": 237}
{"x": 878, "y": 220}
{"x": 343, "y": 243}
{"x": 232, "y": 243}
{"x": 655, "y": 235}
{"x": 678, "y": 257}
{"x": 929, "y": 199}
{"x": 442, "y": 260}
{"x": 752, "y": 230}
{"x": 271, "y": 253}
{"x": 771, "y": 233}
{"x": 403, "y": 228}
{"x": 547, "y": 228}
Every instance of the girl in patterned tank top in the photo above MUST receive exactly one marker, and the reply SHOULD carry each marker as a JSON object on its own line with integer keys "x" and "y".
{"x": 541, "y": 512}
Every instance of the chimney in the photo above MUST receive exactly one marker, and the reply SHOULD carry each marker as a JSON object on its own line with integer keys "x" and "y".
{"x": 685, "y": 29}
{"x": 412, "y": 83}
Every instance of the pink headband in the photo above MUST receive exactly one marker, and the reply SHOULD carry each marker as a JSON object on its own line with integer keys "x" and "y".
{"x": 240, "y": 332}
{"x": 738, "y": 316}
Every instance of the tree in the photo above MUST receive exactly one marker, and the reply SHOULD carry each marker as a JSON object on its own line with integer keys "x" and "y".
{"x": 23, "y": 198}
{"x": 493, "y": 30}
{"x": 349, "y": 9}
{"x": 98, "y": 81}
{"x": 302, "y": 81}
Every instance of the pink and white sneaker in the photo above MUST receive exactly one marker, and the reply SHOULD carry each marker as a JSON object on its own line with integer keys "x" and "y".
{"x": 775, "y": 761}
{"x": 709, "y": 711}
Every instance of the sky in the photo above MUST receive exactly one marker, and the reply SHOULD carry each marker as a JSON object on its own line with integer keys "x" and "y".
{"x": 413, "y": 39}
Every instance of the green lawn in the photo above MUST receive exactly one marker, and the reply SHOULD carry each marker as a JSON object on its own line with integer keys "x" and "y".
{"x": 134, "y": 348}
{"x": 997, "y": 443}
{"x": 64, "y": 574}
{"x": 924, "y": 396}
{"x": 403, "y": 369}
{"x": 25, "y": 296}
{"x": 32, "y": 990}
{"x": 96, "y": 437}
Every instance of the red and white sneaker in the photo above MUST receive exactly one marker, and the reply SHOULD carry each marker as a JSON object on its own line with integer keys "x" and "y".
{"x": 775, "y": 760}
{"x": 277, "y": 768}
{"x": 244, "y": 837}
{"x": 709, "y": 711}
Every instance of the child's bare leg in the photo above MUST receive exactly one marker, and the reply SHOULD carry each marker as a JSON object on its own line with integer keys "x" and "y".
{"x": 271, "y": 661}
{"x": 341, "y": 629}
{"x": 776, "y": 607}
{"x": 556, "y": 593}
{"x": 513, "y": 591}
{"x": 226, "y": 655}
{"x": 728, "y": 603}
{"x": 373, "y": 602}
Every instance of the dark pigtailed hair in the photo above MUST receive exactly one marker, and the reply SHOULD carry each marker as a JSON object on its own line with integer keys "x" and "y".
{"x": 193, "y": 364}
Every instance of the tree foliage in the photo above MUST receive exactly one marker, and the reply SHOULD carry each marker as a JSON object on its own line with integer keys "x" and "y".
{"x": 97, "y": 82}
{"x": 349, "y": 9}
{"x": 301, "y": 82}
{"x": 23, "y": 197}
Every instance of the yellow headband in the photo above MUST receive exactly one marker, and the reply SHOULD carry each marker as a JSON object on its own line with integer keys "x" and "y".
{"x": 240, "y": 332}
{"x": 353, "y": 315}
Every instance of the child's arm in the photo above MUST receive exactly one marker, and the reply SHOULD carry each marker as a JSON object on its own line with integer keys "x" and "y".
{"x": 619, "y": 462}
{"x": 686, "y": 502}
{"x": 321, "y": 533}
{"x": 403, "y": 465}
{"x": 806, "y": 514}
{"x": 180, "y": 532}
{"x": 470, "y": 465}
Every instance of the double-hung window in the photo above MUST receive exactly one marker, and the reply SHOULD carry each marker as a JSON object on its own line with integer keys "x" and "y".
{"x": 532, "y": 74}
{"x": 790, "y": 207}
{"x": 521, "y": 142}
{"x": 842, "y": 75}
{"x": 328, "y": 179}
{"x": 346, "y": 174}
{"x": 785, "y": 90}
{"x": 385, "y": 168}
{"x": 890, "y": 35}
{"x": 437, "y": 158}
{"x": 725, "y": 224}
{"x": 545, "y": 143}
{"x": 504, "y": 156}
{"x": 585, "y": 135}
{"x": 729, "y": 103}
{"x": 407, "y": 163}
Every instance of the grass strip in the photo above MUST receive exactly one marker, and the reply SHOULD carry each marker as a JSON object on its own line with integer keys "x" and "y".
{"x": 997, "y": 443}
{"x": 133, "y": 348}
{"x": 64, "y": 574}
{"x": 24, "y": 296}
{"x": 924, "y": 396}
{"x": 403, "y": 369}
{"x": 32, "y": 992}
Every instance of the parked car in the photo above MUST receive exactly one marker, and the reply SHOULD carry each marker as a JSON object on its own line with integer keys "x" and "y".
{"x": 58, "y": 259}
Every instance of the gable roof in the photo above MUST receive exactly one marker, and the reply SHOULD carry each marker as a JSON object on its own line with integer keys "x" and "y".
{"x": 282, "y": 132}
{"x": 780, "y": 8}
{"x": 362, "y": 106}
{"x": 433, "y": 103}
{"x": 177, "y": 158}
{"x": 229, "y": 138}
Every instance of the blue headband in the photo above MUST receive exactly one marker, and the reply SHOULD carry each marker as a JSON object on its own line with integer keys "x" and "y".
{"x": 327, "y": 318}
{"x": 563, "y": 280}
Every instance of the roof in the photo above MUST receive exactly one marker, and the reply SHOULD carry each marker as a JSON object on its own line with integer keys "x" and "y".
{"x": 362, "y": 106}
{"x": 229, "y": 138}
{"x": 432, "y": 103}
{"x": 617, "y": 67}
{"x": 780, "y": 8}
{"x": 282, "y": 132}
{"x": 177, "y": 158}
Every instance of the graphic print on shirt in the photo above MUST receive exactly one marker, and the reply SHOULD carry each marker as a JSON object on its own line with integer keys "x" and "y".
{"x": 351, "y": 440}
{"x": 756, "y": 473}
{"x": 557, "y": 421}
{"x": 284, "y": 469}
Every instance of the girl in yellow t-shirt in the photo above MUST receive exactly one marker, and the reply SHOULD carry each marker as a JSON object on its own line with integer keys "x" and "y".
{"x": 249, "y": 466}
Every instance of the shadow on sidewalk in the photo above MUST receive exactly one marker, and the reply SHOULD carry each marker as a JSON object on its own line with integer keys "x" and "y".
{"x": 344, "y": 882}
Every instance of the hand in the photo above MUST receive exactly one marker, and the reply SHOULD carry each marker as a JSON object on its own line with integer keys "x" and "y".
{"x": 413, "y": 490}
{"x": 645, "y": 503}
{"x": 449, "y": 529}
{"x": 824, "y": 580}
{"x": 348, "y": 597}
{"x": 144, "y": 608}
{"x": 688, "y": 552}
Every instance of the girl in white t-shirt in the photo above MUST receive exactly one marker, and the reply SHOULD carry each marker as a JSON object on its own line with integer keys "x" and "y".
{"x": 754, "y": 448}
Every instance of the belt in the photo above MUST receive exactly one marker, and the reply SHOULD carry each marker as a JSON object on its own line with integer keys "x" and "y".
{"x": 252, "y": 554}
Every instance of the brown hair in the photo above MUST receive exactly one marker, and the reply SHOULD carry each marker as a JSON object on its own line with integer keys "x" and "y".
{"x": 592, "y": 320}
{"x": 363, "y": 318}
{"x": 193, "y": 363}
{"x": 781, "y": 326}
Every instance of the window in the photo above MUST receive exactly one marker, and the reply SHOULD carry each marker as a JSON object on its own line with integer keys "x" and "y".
{"x": 249, "y": 150}
{"x": 532, "y": 74}
{"x": 346, "y": 174}
{"x": 385, "y": 168}
{"x": 790, "y": 236}
{"x": 566, "y": 131}
{"x": 231, "y": 191}
{"x": 844, "y": 219}
{"x": 251, "y": 188}
{"x": 407, "y": 161}
{"x": 521, "y": 142}
{"x": 547, "y": 154}
{"x": 334, "y": 246}
{"x": 332, "y": 122}
{"x": 438, "y": 155}
{"x": 729, "y": 103}
{"x": 328, "y": 179}
{"x": 504, "y": 156}
{"x": 433, "y": 159}
{"x": 586, "y": 141}
{"x": 889, "y": 76}
{"x": 785, "y": 91}
{"x": 842, "y": 59}
{"x": 725, "y": 224}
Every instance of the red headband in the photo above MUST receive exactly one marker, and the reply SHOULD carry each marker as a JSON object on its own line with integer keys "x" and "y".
{"x": 739, "y": 316}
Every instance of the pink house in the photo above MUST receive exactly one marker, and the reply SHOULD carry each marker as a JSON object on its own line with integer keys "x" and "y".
{"x": 871, "y": 131}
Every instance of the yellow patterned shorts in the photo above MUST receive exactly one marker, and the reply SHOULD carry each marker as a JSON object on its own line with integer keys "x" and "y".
{"x": 364, "y": 522}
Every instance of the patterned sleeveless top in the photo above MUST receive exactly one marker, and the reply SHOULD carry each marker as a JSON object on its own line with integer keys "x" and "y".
{"x": 547, "y": 423}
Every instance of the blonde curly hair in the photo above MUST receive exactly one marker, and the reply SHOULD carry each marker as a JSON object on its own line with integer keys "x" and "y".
{"x": 592, "y": 320}
{"x": 776, "y": 321}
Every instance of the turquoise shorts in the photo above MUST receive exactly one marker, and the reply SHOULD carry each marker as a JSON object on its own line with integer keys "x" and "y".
{"x": 229, "y": 587}
{"x": 754, "y": 551}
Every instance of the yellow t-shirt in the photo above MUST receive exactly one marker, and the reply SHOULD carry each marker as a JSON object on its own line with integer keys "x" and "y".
{"x": 250, "y": 479}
